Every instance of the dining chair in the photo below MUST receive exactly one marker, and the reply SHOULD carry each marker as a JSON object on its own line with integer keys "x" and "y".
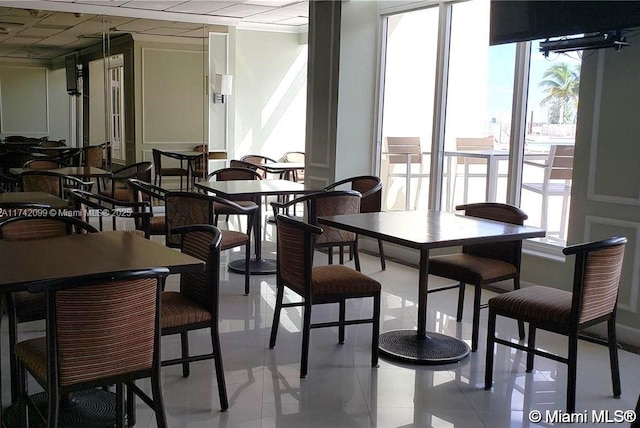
{"x": 91, "y": 321}
{"x": 154, "y": 195}
{"x": 196, "y": 305}
{"x": 469, "y": 144}
{"x": 51, "y": 182}
{"x": 161, "y": 171}
{"x": 556, "y": 181}
{"x": 318, "y": 285}
{"x": 46, "y": 163}
{"x": 96, "y": 157}
{"x": 593, "y": 300}
{"x": 189, "y": 208}
{"x": 52, "y": 143}
{"x": 370, "y": 186}
{"x": 119, "y": 190}
{"x": 201, "y": 165}
{"x": 229, "y": 174}
{"x": 22, "y": 307}
{"x": 406, "y": 151}
{"x": 327, "y": 204}
{"x": 482, "y": 264}
{"x": 258, "y": 160}
{"x": 90, "y": 205}
{"x": 295, "y": 157}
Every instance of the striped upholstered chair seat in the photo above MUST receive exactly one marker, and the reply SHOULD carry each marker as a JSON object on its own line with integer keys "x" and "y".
{"x": 482, "y": 264}
{"x": 318, "y": 285}
{"x": 89, "y": 342}
{"x": 24, "y": 306}
{"x": 593, "y": 300}
{"x": 195, "y": 306}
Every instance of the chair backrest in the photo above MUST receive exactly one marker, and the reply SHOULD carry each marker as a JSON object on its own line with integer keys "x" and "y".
{"x": 560, "y": 163}
{"x": 202, "y": 163}
{"x": 295, "y": 253}
{"x": 596, "y": 278}
{"x": 369, "y": 186}
{"x": 50, "y": 143}
{"x": 157, "y": 159}
{"x": 234, "y": 173}
{"x": 143, "y": 191}
{"x": 234, "y": 163}
{"x": 51, "y": 182}
{"x": 39, "y": 164}
{"x": 92, "y": 319}
{"x": 333, "y": 203}
{"x": 202, "y": 242}
{"x": 295, "y": 157}
{"x": 510, "y": 251}
{"x": 21, "y": 228}
{"x": 186, "y": 209}
{"x": 139, "y": 170}
{"x": 402, "y": 148}
{"x": 473, "y": 144}
{"x": 94, "y": 156}
{"x": 257, "y": 159}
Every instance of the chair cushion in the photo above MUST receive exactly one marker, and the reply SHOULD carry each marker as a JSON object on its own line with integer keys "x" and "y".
{"x": 173, "y": 171}
{"x": 179, "y": 310}
{"x": 338, "y": 279}
{"x": 471, "y": 269}
{"x": 545, "y": 304}
{"x": 119, "y": 194}
{"x": 30, "y": 306}
{"x": 33, "y": 354}
{"x": 232, "y": 238}
{"x": 157, "y": 225}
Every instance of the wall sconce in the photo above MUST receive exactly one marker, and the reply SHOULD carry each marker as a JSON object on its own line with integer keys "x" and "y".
{"x": 222, "y": 85}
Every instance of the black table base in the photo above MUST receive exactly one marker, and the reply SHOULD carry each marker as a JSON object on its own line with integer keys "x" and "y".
{"x": 436, "y": 348}
{"x": 93, "y": 408}
{"x": 256, "y": 266}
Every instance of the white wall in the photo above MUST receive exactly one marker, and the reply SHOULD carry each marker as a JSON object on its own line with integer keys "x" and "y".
{"x": 269, "y": 96}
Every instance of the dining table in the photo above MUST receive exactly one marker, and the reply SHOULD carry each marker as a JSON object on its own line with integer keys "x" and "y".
{"x": 24, "y": 263}
{"x": 423, "y": 231}
{"x": 73, "y": 171}
{"x": 492, "y": 159}
{"x": 255, "y": 190}
{"x": 40, "y": 198}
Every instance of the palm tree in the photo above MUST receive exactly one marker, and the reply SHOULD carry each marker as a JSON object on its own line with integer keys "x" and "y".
{"x": 561, "y": 83}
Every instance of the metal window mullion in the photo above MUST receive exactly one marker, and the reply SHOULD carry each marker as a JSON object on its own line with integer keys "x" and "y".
{"x": 440, "y": 105}
{"x": 518, "y": 122}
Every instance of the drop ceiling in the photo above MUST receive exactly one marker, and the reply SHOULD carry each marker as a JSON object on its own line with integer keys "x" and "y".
{"x": 50, "y": 29}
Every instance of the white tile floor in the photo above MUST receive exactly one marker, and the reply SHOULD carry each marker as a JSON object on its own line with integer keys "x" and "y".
{"x": 342, "y": 390}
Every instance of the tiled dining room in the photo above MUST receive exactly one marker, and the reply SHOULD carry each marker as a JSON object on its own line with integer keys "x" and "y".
{"x": 342, "y": 389}
{"x": 350, "y": 213}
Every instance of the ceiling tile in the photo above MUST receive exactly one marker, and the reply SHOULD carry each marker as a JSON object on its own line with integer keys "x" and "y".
{"x": 200, "y": 6}
{"x": 39, "y": 32}
{"x": 242, "y": 10}
{"x": 152, "y": 4}
{"x": 298, "y": 20}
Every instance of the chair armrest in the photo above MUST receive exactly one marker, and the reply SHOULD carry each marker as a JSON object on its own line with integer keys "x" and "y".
{"x": 239, "y": 209}
{"x": 183, "y": 230}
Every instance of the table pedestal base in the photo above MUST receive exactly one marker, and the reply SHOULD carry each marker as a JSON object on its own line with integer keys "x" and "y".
{"x": 256, "y": 266}
{"x": 436, "y": 348}
{"x": 92, "y": 408}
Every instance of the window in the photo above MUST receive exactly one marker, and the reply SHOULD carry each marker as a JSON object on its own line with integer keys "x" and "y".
{"x": 116, "y": 106}
{"x": 481, "y": 87}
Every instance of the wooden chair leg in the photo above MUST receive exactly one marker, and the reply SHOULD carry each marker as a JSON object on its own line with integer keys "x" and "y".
{"x": 330, "y": 255}
{"x": 356, "y": 256}
{"x": 572, "y": 372}
{"x": 461, "y": 288}
{"x": 342, "y": 318}
{"x": 158, "y": 405}
{"x": 306, "y": 330}
{"x": 375, "y": 333}
{"x": 341, "y": 254}
{"x": 120, "y": 405}
{"x": 613, "y": 357}
{"x": 131, "y": 406}
{"x": 383, "y": 264}
{"x": 477, "y": 293}
{"x": 532, "y": 345}
{"x": 491, "y": 334}
{"x": 276, "y": 317}
{"x": 21, "y": 399}
{"x": 184, "y": 342}
{"x": 222, "y": 385}
{"x": 247, "y": 270}
{"x": 516, "y": 286}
